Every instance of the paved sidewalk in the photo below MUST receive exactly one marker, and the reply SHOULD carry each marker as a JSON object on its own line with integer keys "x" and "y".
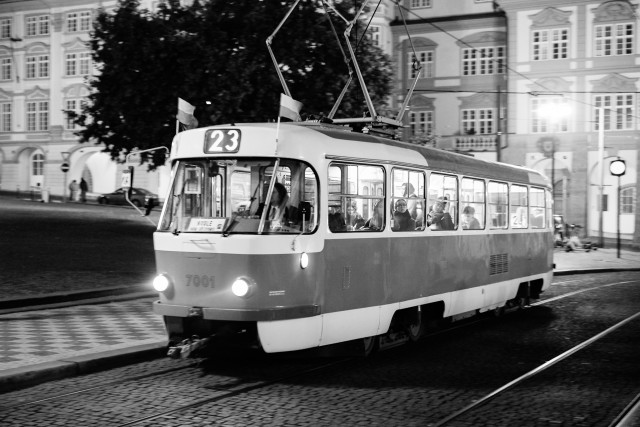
{"x": 41, "y": 345}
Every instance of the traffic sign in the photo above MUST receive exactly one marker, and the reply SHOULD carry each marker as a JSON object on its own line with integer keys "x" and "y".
{"x": 64, "y": 167}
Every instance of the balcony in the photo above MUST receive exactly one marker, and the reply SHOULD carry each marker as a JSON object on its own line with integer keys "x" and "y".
{"x": 473, "y": 142}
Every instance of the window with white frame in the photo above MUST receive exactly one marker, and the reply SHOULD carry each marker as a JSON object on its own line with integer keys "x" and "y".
{"x": 37, "y": 66}
{"x": 5, "y": 116}
{"x": 483, "y": 61}
{"x": 550, "y": 44}
{"x": 6, "y": 67}
{"x": 37, "y": 164}
{"x": 417, "y": 4}
{"x": 543, "y": 120}
{"x": 375, "y": 35}
{"x": 425, "y": 58}
{"x": 37, "y": 116}
{"x": 614, "y": 39}
{"x": 478, "y": 121}
{"x": 38, "y": 25}
{"x": 78, "y": 21}
{"x": 628, "y": 200}
{"x": 72, "y": 105}
{"x": 6, "y": 28}
{"x": 421, "y": 122}
{"x": 618, "y": 111}
{"x": 77, "y": 64}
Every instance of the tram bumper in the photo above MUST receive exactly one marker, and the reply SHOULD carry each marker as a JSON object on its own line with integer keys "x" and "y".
{"x": 237, "y": 314}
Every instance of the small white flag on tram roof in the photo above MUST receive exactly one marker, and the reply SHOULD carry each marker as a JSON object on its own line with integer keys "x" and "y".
{"x": 185, "y": 114}
{"x": 290, "y": 108}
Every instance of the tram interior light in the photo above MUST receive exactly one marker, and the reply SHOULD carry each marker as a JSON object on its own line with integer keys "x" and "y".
{"x": 161, "y": 282}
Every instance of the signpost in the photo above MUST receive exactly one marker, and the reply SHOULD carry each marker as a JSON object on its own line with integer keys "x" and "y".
{"x": 64, "y": 167}
{"x": 618, "y": 168}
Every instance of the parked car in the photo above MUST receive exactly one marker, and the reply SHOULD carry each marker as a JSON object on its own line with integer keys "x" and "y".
{"x": 139, "y": 197}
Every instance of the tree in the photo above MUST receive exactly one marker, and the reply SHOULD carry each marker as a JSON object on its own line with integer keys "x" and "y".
{"x": 213, "y": 54}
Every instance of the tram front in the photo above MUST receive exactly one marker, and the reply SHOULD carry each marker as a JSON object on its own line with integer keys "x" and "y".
{"x": 236, "y": 250}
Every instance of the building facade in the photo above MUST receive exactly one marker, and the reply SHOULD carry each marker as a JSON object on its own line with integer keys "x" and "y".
{"x": 519, "y": 81}
{"x": 529, "y": 83}
{"x": 44, "y": 66}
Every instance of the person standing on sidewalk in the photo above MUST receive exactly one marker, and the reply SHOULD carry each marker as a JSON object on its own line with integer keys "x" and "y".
{"x": 83, "y": 190}
{"x": 73, "y": 191}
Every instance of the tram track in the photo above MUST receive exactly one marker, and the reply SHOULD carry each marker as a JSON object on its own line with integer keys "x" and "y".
{"x": 247, "y": 385}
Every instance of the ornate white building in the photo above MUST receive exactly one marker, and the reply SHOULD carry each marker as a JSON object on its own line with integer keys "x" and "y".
{"x": 520, "y": 81}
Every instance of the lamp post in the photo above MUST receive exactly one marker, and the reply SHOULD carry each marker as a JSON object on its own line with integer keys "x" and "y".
{"x": 618, "y": 168}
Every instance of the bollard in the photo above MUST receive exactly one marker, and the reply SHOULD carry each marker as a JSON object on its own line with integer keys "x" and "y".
{"x": 17, "y": 191}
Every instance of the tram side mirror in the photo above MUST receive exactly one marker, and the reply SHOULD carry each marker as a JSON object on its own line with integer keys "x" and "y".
{"x": 304, "y": 211}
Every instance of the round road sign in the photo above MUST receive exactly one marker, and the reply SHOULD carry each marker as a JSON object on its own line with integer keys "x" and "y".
{"x": 64, "y": 167}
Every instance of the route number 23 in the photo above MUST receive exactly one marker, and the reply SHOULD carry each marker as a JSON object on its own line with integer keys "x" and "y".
{"x": 222, "y": 141}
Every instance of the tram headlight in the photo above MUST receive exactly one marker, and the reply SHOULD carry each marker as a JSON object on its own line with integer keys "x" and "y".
{"x": 304, "y": 260}
{"x": 241, "y": 287}
{"x": 161, "y": 283}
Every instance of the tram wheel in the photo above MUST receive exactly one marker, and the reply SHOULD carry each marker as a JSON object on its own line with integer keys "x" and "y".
{"x": 369, "y": 345}
{"x": 416, "y": 327}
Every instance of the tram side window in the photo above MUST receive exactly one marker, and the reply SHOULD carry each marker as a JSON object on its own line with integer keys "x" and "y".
{"x": 356, "y": 198}
{"x": 472, "y": 203}
{"x": 537, "y": 208}
{"x": 519, "y": 206}
{"x": 498, "y": 204}
{"x": 443, "y": 202}
{"x": 408, "y": 201}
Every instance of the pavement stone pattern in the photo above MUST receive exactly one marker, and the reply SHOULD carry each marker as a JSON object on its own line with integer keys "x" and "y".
{"x": 35, "y": 337}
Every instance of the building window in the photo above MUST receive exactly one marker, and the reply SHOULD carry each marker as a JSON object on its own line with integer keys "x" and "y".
{"x": 6, "y": 25}
{"x": 543, "y": 120}
{"x": 417, "y": 4}
{"x": 6, "y": 66}
{"x": 628, "y": 200}
{"x": 38, "y": 25}
{"x": 78, "y": 64}
{"x": 421, "y": 122}
{"x": 618, "y": 111}
{"x": 73, "y": 105}
{"x": 426, "y": 60}
{"x": 550, "y": 44}
{"x": 37, "y": 116}
{"x": 37, "y": 164}
{"x": 478, "y": 121}
{"x": 483, "y": 61}
{"x": 375, "y": 34}
{"x": 37, "y": 66}
{"x": 5, "y": 117}
{"x": 78, "y": 22}
{"x": 614, "y": 39}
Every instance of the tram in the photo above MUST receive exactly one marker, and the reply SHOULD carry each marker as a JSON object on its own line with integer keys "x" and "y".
{"x": 232, "y": 271}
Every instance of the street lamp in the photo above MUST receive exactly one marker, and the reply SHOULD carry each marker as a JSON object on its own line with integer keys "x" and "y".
{"x": 618, "y": 168}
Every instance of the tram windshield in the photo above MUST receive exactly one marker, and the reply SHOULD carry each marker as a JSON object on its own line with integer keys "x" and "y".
{"x": 243, "y": 195}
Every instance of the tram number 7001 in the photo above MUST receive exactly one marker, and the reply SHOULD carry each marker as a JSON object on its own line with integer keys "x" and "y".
{"x": 197, "y": 281}
{"x": 222, "y": 141}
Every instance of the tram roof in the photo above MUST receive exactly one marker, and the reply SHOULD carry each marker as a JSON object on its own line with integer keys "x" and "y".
{"x": 446, "y": 161}
{"x": 436, "y": 159}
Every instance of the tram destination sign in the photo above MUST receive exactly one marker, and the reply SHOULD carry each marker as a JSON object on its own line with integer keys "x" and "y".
{"x": 222, "y": 141}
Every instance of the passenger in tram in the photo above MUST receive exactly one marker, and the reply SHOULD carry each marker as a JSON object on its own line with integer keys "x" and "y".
{"x": 355, "y": 221}
{"x": 469, "y": 221}
{"x": 376, "y": 222}
{"x": 438, "y": 219}
{"x": 402, "y": 220}
{"x": 410, "y": 193}
{"x": 336, "y": 220}
{"x": 537, "y": 218}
